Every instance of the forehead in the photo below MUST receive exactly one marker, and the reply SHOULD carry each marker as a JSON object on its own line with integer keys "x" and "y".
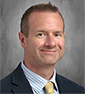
{"x": 45, "y": 19}
{"x": 39, "y": 15}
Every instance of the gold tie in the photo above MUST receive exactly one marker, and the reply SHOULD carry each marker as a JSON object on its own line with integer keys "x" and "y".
{"x": 49, "y": 88}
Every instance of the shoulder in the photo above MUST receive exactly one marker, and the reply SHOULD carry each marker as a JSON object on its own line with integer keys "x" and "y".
{"x": 6, "y": 80}
{"x": 68, "y": 84}
{"x": 5, "y": 84}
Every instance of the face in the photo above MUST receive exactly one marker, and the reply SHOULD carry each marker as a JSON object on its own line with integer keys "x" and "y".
{"x": 45, "y": 42}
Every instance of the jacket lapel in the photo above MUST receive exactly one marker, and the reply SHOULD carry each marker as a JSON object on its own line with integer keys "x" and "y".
{"x": 19, "y": 82}
{"x": 65, "y": 86}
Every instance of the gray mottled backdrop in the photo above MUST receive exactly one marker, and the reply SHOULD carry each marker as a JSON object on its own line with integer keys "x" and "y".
{"x": 72, "y": 63}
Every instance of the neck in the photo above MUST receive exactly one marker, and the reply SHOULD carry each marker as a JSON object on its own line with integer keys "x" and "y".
{"x": 46, "y": 71}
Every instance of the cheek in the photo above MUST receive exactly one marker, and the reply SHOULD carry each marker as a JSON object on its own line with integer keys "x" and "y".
{"x": 61, "y": 44}
{"x": 37, "y": 44}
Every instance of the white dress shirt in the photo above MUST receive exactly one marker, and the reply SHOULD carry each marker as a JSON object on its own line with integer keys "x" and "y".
{"x": 37, "y": 82}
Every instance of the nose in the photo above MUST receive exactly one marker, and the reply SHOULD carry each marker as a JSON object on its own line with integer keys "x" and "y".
{"x": 50, "y": 42}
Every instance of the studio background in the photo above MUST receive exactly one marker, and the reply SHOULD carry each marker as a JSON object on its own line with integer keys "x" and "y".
{"x": 71, "y": 65}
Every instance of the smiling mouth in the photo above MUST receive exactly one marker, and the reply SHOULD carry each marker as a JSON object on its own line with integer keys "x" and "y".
{"x": 49, "y": 51}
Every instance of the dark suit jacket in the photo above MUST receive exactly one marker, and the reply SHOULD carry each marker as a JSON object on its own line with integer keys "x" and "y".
{"x": 16, "y": 83}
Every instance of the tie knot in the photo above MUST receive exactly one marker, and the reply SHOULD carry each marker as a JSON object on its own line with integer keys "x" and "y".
{"x": 49, "y": 88}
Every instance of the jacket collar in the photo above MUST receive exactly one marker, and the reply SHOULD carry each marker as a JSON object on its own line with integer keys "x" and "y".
{"x": 61, "y": 84}
{"x": 20, "y": 81}
{"x": 65, "y": 86}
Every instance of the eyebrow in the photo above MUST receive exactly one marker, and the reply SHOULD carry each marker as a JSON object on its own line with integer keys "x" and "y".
{"x": 59, "y": 31}
{"x": 41, "y": 31}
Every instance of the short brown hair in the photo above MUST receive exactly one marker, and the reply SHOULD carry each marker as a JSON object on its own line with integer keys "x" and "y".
{"x": 40, "y": 8}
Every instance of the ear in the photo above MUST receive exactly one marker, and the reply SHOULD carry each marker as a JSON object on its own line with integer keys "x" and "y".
{"x": 22, "y": 39}
{"x": 64, "y": 35}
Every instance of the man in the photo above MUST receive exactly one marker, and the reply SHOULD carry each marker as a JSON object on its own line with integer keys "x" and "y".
{"x": 42, "y": 37}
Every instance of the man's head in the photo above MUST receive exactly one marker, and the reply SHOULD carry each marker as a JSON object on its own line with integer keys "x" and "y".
{"x": 42, "y": 35}
{"x": 37, "y": 8}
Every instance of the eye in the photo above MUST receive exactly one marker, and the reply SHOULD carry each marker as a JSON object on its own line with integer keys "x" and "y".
{"x": 40, "y": 34}
{"x": 57, "y": 34}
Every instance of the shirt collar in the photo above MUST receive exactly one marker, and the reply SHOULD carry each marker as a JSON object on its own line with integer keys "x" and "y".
{"x": 37, "y": 82}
